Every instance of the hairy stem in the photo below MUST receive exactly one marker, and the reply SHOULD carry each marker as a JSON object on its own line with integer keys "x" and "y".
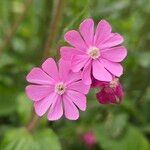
{"x": 34, "y": 120}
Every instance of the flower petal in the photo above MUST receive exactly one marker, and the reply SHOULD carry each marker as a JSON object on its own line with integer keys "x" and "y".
{"x": 86, "y": 74}
{"x": 56, "y": 110}
{"x": 38, "y": 76}
{"x": 65, "y": 73}
{"x": 104, "y": 98}
{"x": 74, "y": 38}
{"x": 103, "y": 32}
{"x": 68, "y": 52}
{"x": 119, "y": 92}
{"x": 43, "y": 105}
{"x": 78, "y": 62}
{"x": 116, "y": 54}
{"x": 100, "y": 73}
{"x": 79, "y": 86}
{"x": 87, "y": 31}
{"x": 50, "y": 67}
{"x": 38, "y": 92}
{"x": 71, "y": 111}
{"x": 78, "y": 99}
{"x": 73, "y": 77}
{"x": 64, "y": 69}
{"x": 115, "y": 68}
{"x": 114, "y": 40}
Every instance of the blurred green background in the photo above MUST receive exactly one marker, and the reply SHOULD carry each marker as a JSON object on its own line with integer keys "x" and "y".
{"x": 28, "y": 28}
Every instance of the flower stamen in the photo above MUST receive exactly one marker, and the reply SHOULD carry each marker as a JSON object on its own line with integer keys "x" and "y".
{"x": 114, "y": 83}
{"x": 60, "y": 88}
{"x": 94, "y": 52}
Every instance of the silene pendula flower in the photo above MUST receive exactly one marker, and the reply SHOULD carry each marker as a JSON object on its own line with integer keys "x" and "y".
{"x": 56, "y": 90}
{"x": 111, "y": 92}
{"x": 97, "y": 54}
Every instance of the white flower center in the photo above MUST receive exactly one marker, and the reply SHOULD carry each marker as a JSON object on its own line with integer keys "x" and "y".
{"x": 94, "y": 52}
{"x": 60, "y": 88}
{"x": 114, "y": 83}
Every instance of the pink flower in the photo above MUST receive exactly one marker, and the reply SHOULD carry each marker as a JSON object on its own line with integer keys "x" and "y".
{"x": 111, "y": 92}
{"x": 96, "y": 54}
{"x": 89, "y": 139}
{"x": 55, "y": 91}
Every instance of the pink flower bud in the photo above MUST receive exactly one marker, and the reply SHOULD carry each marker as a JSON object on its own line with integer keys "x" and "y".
{"x": 111, "y": 92}
{"x": 89, "y": 139}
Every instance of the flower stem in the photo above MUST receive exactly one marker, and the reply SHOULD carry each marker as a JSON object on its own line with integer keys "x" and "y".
{"x": 33, "y": 122}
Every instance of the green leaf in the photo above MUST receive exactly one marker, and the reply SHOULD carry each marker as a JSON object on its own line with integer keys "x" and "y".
{"x": 47, "y": 140}
{"x": 117, "y": 124}
{"x": 21, "y": 139}
{"x": 132, "y": 139}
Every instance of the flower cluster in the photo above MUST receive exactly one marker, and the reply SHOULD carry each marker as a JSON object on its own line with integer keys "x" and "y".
{"x": 92, "y": 61}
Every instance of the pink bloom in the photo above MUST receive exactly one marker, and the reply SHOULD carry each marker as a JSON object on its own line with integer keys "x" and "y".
{"x": 96, "y": 54}
{"x": 89, "y": 139}
{"x": 55, "y": 91}
{"x": 111, "y": 92}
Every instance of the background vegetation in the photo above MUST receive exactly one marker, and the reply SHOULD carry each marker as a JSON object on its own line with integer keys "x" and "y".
{"x": 31, "y": 30}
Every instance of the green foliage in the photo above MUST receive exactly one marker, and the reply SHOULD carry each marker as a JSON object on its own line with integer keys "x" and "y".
{"x": 131, "y": 139}
{"x": 117, "y": 134}
{"x": 21, "y": 139}
{"x": 120, "y": 127}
